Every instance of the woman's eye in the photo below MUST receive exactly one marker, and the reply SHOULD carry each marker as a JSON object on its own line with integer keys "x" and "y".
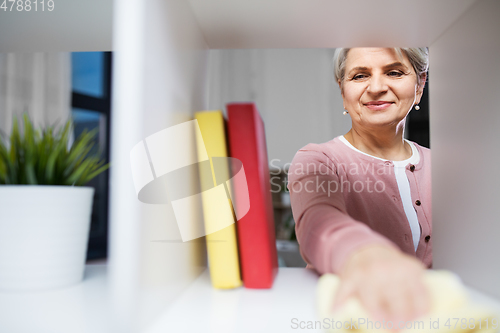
{"x": 395, "y": 73}
{"x": 358, "y": 76}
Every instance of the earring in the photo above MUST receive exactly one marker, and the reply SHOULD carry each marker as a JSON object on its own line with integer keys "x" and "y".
{"x": 345, "y": 112}
{"x": 417, "y": 107}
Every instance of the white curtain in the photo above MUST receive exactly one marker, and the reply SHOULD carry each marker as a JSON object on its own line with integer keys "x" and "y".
{"x": 36, "y": 83}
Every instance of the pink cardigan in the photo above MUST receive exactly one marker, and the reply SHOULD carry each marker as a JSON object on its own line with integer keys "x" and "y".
{"x": 343, "y": 200}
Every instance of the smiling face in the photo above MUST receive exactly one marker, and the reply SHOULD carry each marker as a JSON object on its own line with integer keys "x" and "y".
{"x": 379, "y": 87}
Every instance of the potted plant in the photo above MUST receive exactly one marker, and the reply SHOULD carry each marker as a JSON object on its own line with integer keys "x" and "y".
{"x": 45, "y": 210}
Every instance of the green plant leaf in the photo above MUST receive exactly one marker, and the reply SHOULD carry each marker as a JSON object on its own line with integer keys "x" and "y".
{"x": 3, "y": 165}
{"x": 45, "y": 158}
{"x": 14, "y": 151}
{"x": 30, "y": 175}
{"x": 30, "y": 152}
{"x": 95, "y": 174}
{"x": 77, "y": 174}
{"x": 44, "y": 148}
{"x": 7, "y": 165}
{"x": 81, "y": 142}
{"x": 51, "y": 162}
{"x": 78, "y": 160}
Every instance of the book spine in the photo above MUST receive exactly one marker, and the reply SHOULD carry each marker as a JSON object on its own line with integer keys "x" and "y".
{"x": 220, "y": 228}
{"x": 256, "y": 235}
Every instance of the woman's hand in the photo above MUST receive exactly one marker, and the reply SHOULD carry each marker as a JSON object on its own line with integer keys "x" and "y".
{"x": 387, "y": 282}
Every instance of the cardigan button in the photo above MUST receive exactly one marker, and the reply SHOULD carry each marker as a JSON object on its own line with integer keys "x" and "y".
{"x": 412, "y": 168}
{"x": 427, "y": 238}
{"x": 418, "y": 203}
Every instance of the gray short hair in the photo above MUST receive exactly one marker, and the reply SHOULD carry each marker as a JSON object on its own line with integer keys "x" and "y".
{"x": 418, "y": 57}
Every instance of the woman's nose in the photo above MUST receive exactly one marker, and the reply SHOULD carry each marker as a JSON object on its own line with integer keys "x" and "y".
{"x": 377, "y": 84}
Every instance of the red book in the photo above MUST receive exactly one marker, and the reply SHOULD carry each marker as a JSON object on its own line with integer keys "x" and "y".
{"x": 256, "y": 237}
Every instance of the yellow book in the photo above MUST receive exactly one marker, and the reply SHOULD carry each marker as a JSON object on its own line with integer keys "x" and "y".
{"x": 220, "y": 228}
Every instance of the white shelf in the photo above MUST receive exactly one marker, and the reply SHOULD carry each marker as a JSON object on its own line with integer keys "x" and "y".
{"x": 84, "y": 308}
{"x": 204, "y": 309}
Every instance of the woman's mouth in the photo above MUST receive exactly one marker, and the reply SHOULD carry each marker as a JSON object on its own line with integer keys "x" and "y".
{"x": 378, "y": 105}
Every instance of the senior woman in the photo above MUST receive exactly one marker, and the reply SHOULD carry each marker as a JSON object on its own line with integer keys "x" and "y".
{"x": 361, "y": 201}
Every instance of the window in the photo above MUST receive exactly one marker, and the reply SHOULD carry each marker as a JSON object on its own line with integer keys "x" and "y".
{"x": 91, "y": 108}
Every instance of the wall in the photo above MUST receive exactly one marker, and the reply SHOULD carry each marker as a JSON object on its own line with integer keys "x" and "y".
{"x": 159, "y": 73}
{"x": 293, "y": 89}
{"x": 465, "y": 118}
{"x": 71, "y": 26}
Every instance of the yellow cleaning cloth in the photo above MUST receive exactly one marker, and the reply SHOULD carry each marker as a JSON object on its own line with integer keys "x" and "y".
{"x": 451, "y": 311}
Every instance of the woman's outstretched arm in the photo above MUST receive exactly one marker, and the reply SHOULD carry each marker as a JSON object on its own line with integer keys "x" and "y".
{"x": 372, "y": 268}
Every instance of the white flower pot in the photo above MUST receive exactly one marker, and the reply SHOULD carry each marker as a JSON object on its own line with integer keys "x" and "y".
{"x": 43, "y": 235}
